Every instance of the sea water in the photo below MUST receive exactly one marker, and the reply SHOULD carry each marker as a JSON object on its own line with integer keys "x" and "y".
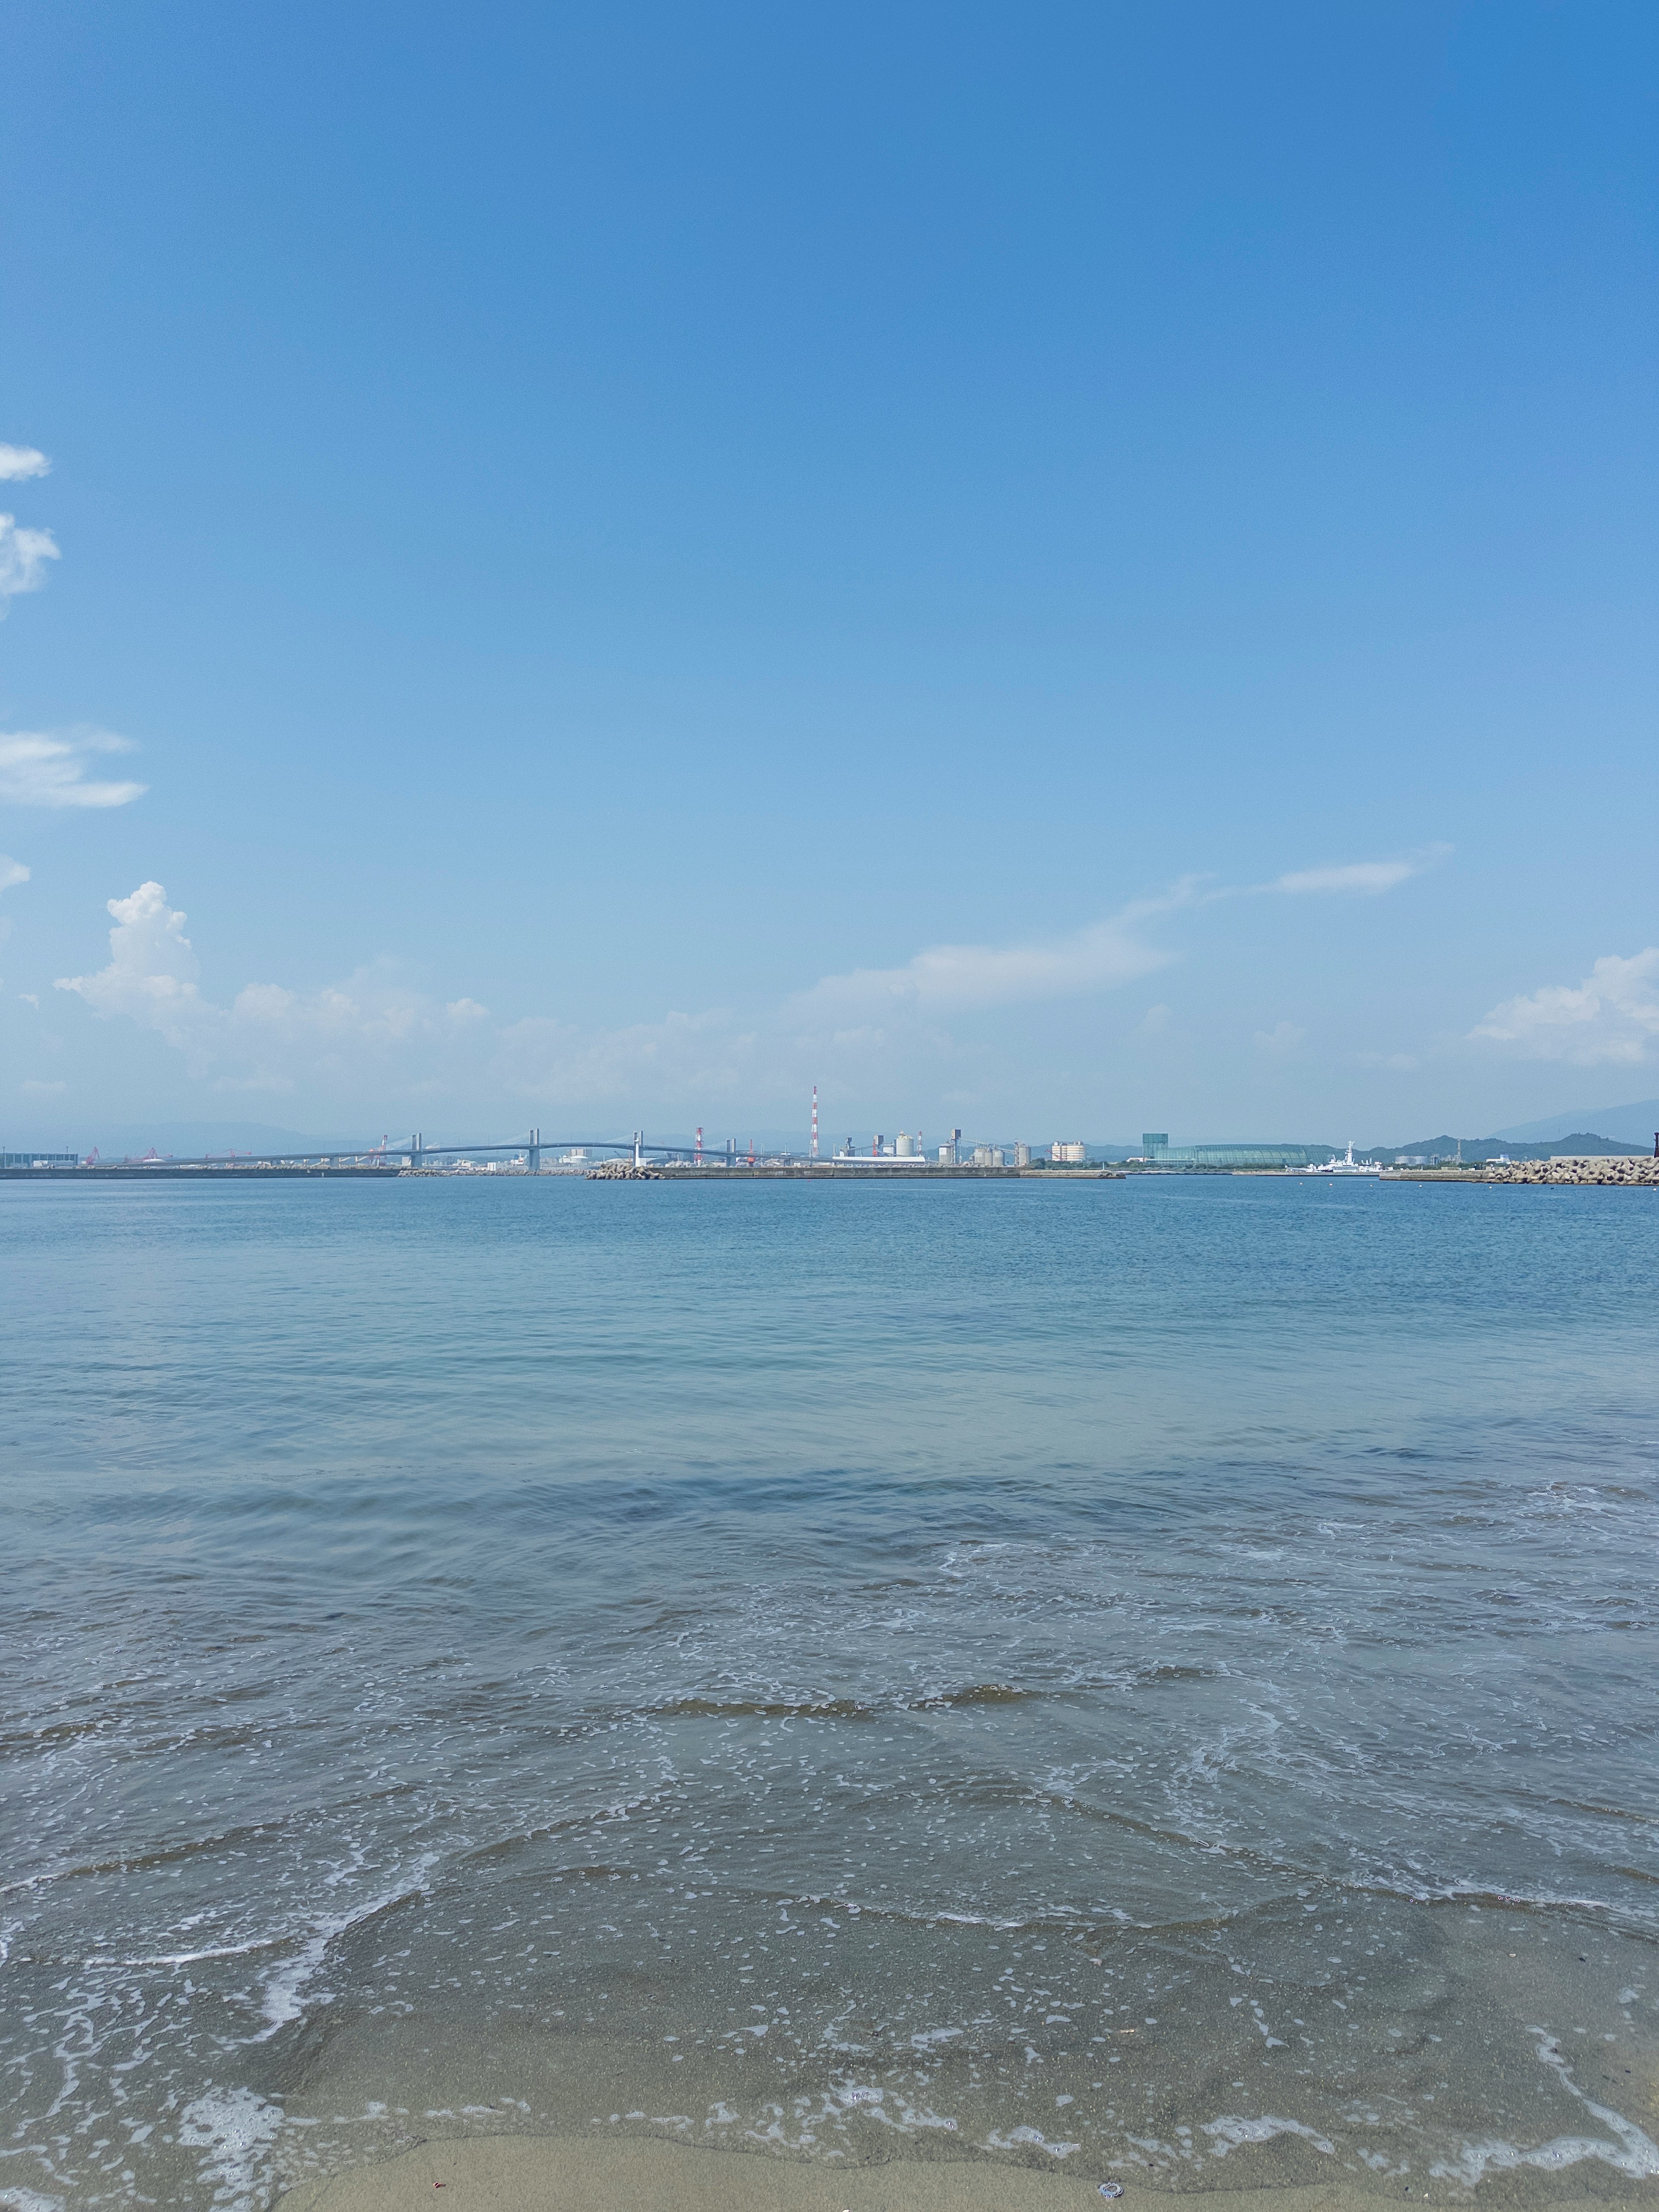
{"x": 1153, "y": 1676}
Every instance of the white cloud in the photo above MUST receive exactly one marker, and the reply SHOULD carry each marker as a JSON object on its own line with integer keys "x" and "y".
{"x": 952, "y": 978}
{"x": 1282, "y": 1037}
{"x": 1368, "y": 878}
{"x": 41, "y": 767}
{"x": 373, "y": 1034}
{"x": 30, "y": 999}
{"x": 23, "y": 556}
{"x": 376, "y": 1038}
{"x": 1611, "y": 1019}
{"x": 19, "y": 463}
{"x": 34, "y": 1090}
{"x": 11, "y": 873}
{"x": 153, "y": 970}
{"x": 692, "y": 1056}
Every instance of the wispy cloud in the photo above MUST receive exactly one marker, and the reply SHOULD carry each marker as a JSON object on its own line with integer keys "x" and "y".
{"x": 1284, "y": 1037}
{"x": 943, "y": 979}
{"x": 1367, "y": 877}
{"x": 11, "y": 873}
{"x": 40, "y": 768}
{"x": 23, "y": 555}
{"x": 692, "y": 1056}
{"x": 1611, "y": 1019}
{"x": 376, "y": 1037}
{"x": 952, "y": 978}
{"x": 19, "y": 463}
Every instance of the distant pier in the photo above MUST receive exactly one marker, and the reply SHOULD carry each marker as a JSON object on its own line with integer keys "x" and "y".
{"x": 167, "y": 1171}
{"x": 850, "y": 1171}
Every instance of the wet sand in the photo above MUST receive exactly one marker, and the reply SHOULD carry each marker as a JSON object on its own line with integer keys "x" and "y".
{"x": 553, "y": 2174}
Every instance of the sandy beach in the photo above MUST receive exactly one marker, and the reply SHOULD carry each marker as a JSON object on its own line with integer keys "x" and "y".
{"x": 541, "y": 2174}
{"x": 538, "y": 2174}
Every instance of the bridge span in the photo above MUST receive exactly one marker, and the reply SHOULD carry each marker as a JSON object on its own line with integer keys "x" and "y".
{"x": 413, "y": 1154}
{"x": 635, "y": 1147}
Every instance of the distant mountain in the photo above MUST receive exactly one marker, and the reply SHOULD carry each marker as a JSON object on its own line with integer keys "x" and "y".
{"x": 1631, "y": 1125}
{"x": 1476, "y": 1149}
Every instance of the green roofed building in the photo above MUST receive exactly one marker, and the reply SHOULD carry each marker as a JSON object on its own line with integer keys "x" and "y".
{"x": 1161, "y": 1151}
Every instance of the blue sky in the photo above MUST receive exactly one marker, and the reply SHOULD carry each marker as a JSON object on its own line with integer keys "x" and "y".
{"x": 1065, "y": 570}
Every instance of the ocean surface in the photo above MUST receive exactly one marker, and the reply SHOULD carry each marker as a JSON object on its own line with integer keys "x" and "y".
{"x": 1157, "y": 1676}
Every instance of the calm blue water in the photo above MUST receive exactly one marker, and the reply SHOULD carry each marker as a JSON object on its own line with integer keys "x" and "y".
{"x": 1158, "y": 1674}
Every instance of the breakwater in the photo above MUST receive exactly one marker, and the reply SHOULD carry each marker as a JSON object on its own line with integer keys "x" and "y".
{"x": 141, "y": 1171}
{"x": 1611, "y": 1168}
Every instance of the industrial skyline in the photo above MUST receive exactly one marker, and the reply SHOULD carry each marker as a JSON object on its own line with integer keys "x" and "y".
{"x": 1624, "y": 1126}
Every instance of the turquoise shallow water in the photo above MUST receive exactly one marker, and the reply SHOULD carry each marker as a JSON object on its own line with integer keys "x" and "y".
{"x": 1156, "y": 1676}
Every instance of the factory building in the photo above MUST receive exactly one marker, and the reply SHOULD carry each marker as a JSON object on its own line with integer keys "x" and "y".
{"x": 1158, "y": 1148}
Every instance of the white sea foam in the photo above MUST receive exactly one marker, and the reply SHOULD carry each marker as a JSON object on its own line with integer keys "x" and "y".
{"x": 1631, "y": 2153}
{"x": 284, "y": 1997}
{"x": 195, "y": 1958}
{"x": 1230, "y": 2133}
{"x": 237, "y": 2129}
{"x": 1031, "y": 2138}
{"x": 30, "y": 2200}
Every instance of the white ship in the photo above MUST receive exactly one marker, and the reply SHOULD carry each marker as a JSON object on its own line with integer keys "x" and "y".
{"x": 1347, "y": 1165}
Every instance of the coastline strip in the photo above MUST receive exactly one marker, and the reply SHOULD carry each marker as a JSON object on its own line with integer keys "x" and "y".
{"x": 533, "y": 2174}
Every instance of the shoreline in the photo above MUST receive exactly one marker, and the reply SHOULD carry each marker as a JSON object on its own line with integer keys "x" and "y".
{"x": 559, "y": 2173}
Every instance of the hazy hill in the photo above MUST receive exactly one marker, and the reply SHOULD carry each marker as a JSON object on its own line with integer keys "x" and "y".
{"x": 1631, "y": 1125}
{"x": 1486, "y": 1148}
